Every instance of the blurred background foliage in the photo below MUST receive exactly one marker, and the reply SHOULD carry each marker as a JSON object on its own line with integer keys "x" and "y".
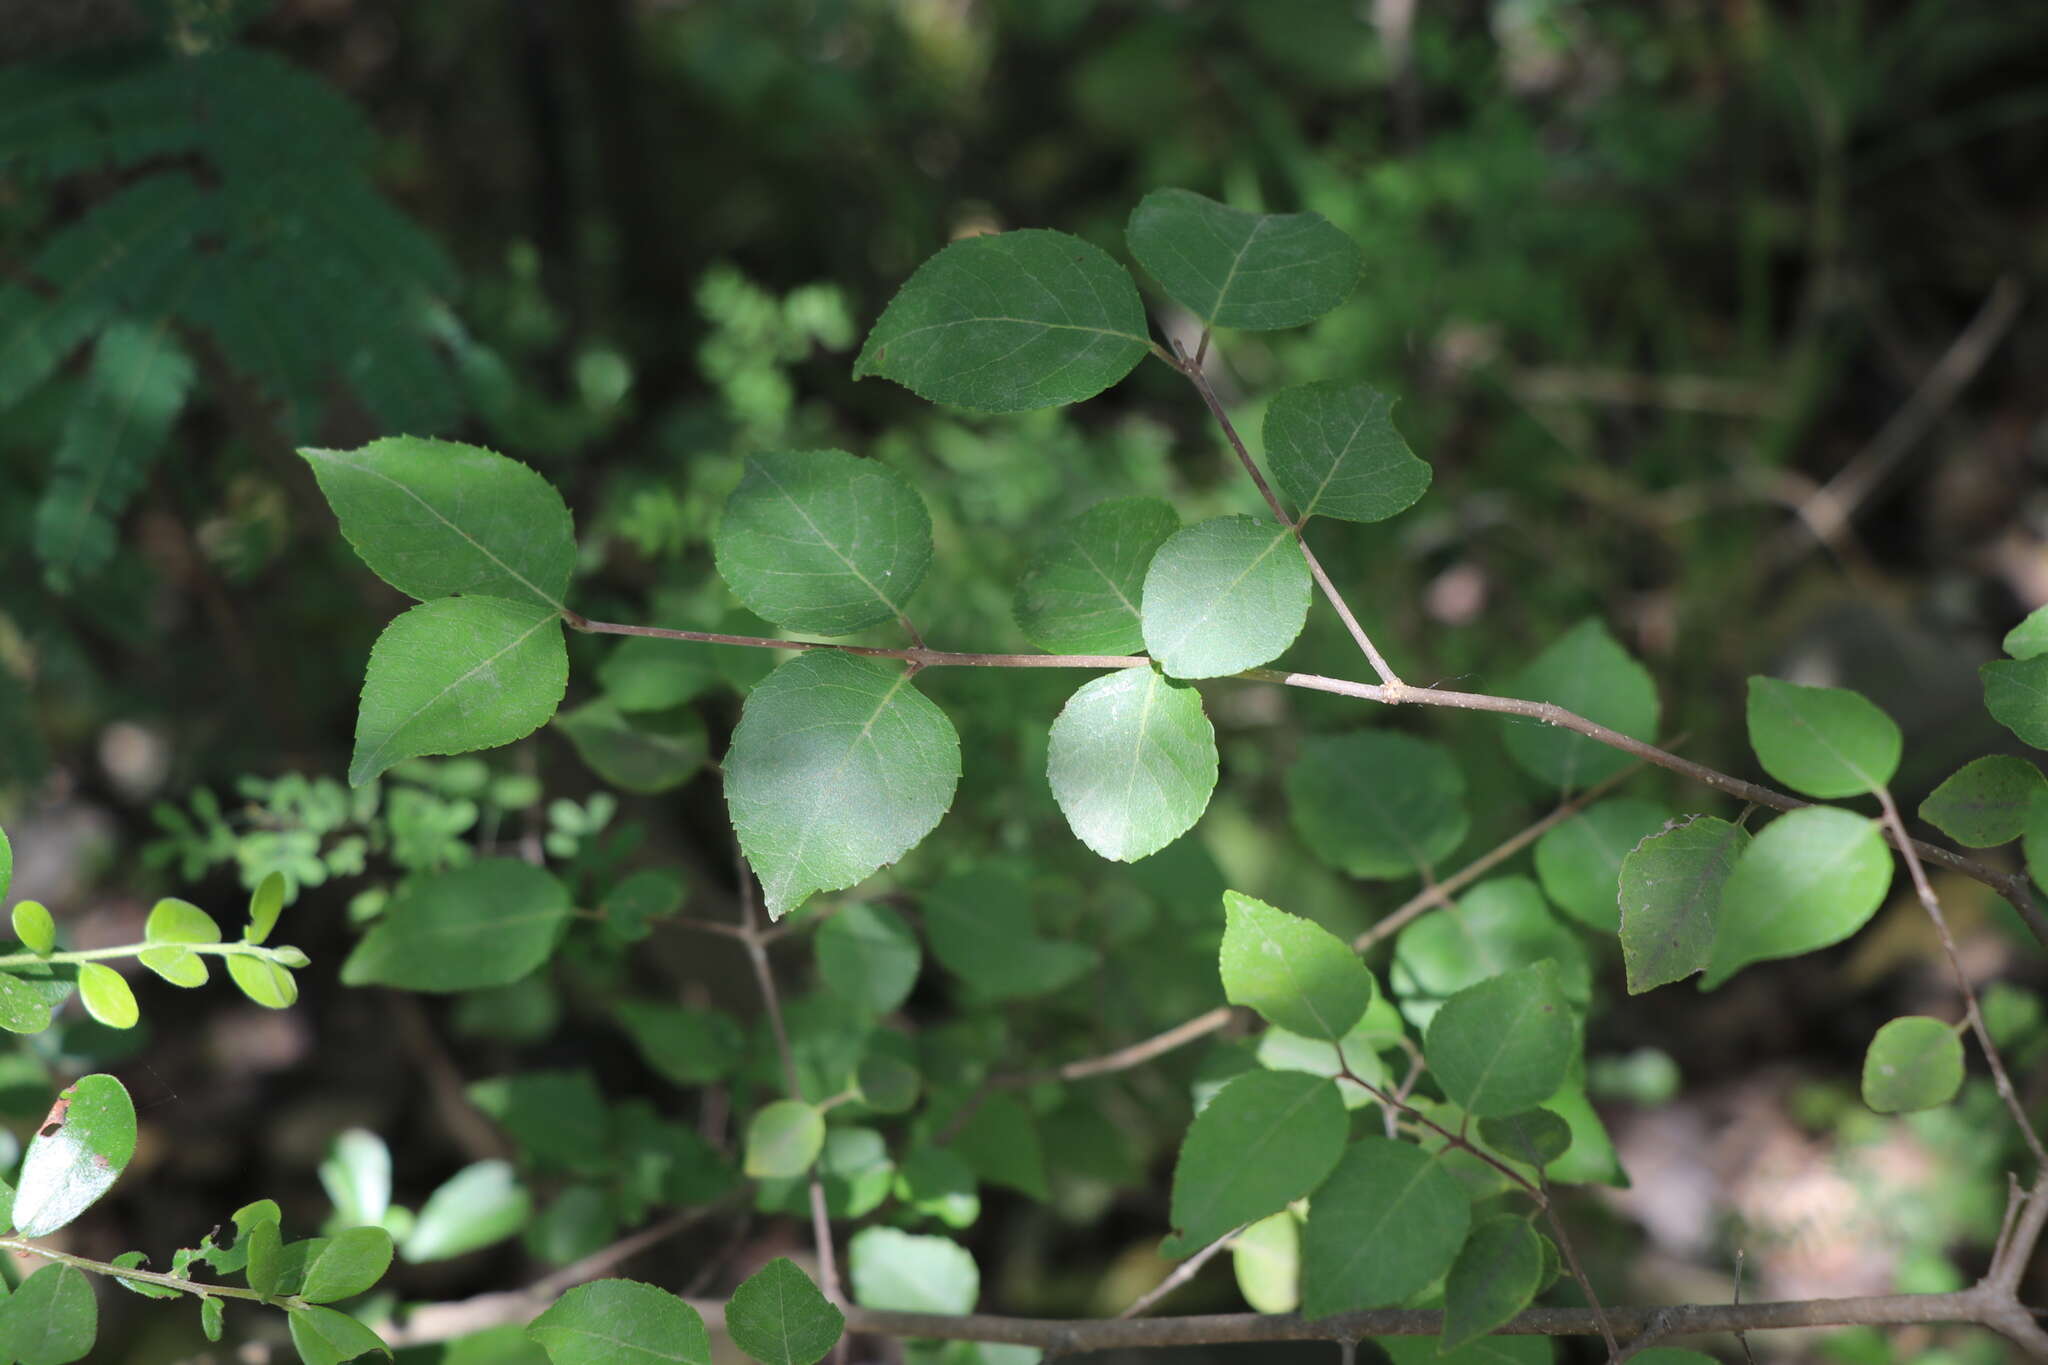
{"x": 1717, "y": 319}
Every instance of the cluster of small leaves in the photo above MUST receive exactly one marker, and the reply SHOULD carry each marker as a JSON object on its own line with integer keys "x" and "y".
{"x": 177, "y": 939}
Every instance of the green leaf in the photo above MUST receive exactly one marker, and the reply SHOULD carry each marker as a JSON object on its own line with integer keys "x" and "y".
{"x": 2029, "y": 639}
{"x": 348, "y": 1264}
{"x": 26, "y": 1000}
{"x": 174, "y": 921}
{"x": 118, "y": 423}
{"x": 1579, "y": 861}
{"x": 436, "y": 518}
{"x": 888, "y": 1085}
{"x": 1266, "y": 1139}
{"x": 1376, "y": 803}
{"x": 1266, "y": 1258}
{"x": 1496, "y": 1276}
{"x": 266, "y": 902}
{"x": 1080, "y": 595}
{"x": 264, "y": 981}
{"x": 687, "y": 1046}
{"x": 485, "y": 924}
{"x": 325, "y": 1337}
{"x": 558, "y": 1118}
{"x": 823, "y": 542}
{"x": 783, "y": 1139}
{"x": 1254, "y": 271}
{"x": 911, "y": 1274}
{"x": 1914, "y": 1063}
{"x": 357, "y": 1177}
{"x": 1503, "y": 1045}
{"x": 868, "y": 956}
{"x": 179, "y": 966}
{"x": 1826, "y": 742}
{"x": 1389, "y": 1220}
{"x": 1535, "y": 1137}
{"x": 839, "y": 766}
{"x": 76, "y": 1156}
{"x": 982, "y": 927}
{"x": 936, "y": 1183}
{"x": 1983, "y": 803}
{"x": 1000, "y": 1143}
{"x": 1335, "y": 453}
{"x": 621, "y": 1322}
{"x": 778, "y": 1317}
{"x": 1670, "y": 897}
{"x": 132, "y": 1260}
{"x": 265, "y": 1267}
{"x": 644, "y": 674}
{"x": 35, "y": 926}
{"x": 641, "y": 898}
{"x": 458, "y": 674}
{"x": 7, "y": 872}
{"x": 1812, "y": 878}
{"x": 1294, "y": 972}
{"x": 643, "y": 754}
{"x": 1497, "y": 926}
{"x": 51, "y": 1319}
{"x": 1282, "y": 1049}
{"x": 1131, "y": 760}
{"x": 2016, "y": 695}
{"x": 106, "y": 996}
{"x": 210, "y": 1316}
{"x": 1587, "y": 672}
{"x": 1224, "y": 595}
{"x": 1010, "y": 321}
{"x": 480, "y": 1204}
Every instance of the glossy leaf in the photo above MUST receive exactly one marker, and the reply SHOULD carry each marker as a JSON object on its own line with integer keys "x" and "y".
{"x": 485, "y": 924}
{"x": 1534, "y": 1137}
{"x": 983, "y": 928}
{"x": 325, "y": 1337}
{"x": 1294, "y": 972}
{"x": 1496, "y": 1276}
{"x": 1670, "y": 896}
{"x": 175, "y": 921}
{"x": 1984, "y": 802}
{"x": 263, "y": 981}
{"x": 646, "y": 755}
{"x": 458, "y": 674}
{"x": 1913, "y": 1063}
{"x": 436, "y": 518}
{"x": 51, "y": 1319}
{"x": 266, "y": 902}
{"x": 1266, "y": 1139}
{"x": 1081, "y": 594}
{"x": 179, "y": 966}
{"x": 839, "y": 766}
{"x": 480, "y": 1204}
{"x": 868, "y": 956}
{"x": 1825, "y": 742}
{"x": 621, "y": 1322}
{"x": 76, "y": 1156}
{"x": 1230, "y": 268}
{"x": 823, "y": 542}
{"x": 2016, "y": 695}
{"x": 1497, "y": 926}
{"x": 1377, "y": 803}
{"x": 911, "y": 1274}
{"x": 783, "y": 1139}
{"x": 106, "y": 996}
{"x": 35, "y": 926}
{"x": 1503, "y": 1045}
{"x": 1224, "y": 595}
{"x": 348, "y": 1264}
{"x": 1389, "y": 1220}
{"x": 1587, "y": 672}
{"x": 24, "y": 1007}
{"x": 1132, "y": 761}
{"x": 778, "y": 1317}
{"x": 1335, "y": 452}
{"x": 1579, "y": 861}
{"x": 1266, "y": 1258}
{"x": 1812, "y": 878}
{"x": 1010, "y": 321}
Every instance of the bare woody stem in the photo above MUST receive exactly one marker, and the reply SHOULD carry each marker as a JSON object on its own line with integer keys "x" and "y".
{"x": 2012, "y": 886}
{"x": 1193, "y": 370}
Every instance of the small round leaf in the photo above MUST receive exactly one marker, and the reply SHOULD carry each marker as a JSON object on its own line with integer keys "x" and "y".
{"x": 783, "y": 1139}
{"x": 106, "y": 995}
{"x": 1224, "y": 595}
{"x": 35, "y": 926}
{"x": 1913, "y": 1063}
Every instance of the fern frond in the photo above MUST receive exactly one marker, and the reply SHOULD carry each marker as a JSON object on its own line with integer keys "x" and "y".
{"x": 133, "y": 392}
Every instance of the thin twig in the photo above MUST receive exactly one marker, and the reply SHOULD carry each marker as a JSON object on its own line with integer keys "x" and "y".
{"x": 1124, "y": 1058}
{"x": 1181, "y": 1274}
